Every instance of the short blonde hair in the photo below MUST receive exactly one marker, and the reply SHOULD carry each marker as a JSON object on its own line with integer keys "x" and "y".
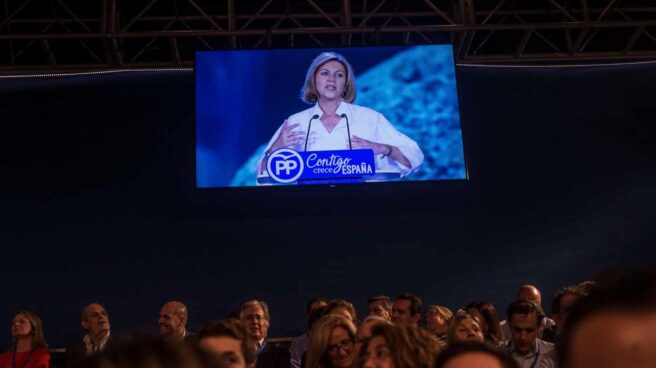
{"x": 443, "y": 312}
{"x": 320, "y": 338}
{"x": 410, "y": 346}
{"x": 309, "y": 92}
{"x": 457, "y": 319}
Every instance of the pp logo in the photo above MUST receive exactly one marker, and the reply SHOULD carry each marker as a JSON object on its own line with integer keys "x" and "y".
{"x": 285, "y": 165}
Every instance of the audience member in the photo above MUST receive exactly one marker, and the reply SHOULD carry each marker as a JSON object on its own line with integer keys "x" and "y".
{"x": 228, "y": 341}
{"x": 381, "y": 306}
{"x": 331, "y": 342}
{"x": 159, "y": 353}
{"x": 526, "y": 321}
{"x": 436, "y": 321}
{"x": 532, "y": 294}
{"x": 299, "y": 345}
{"x": 398, "y": 346}
{"x": 29, "y": 348}
{"x": 474, "y": 355}
{"x": 172, "y": 322}
{"x": 364, "y": 330}
{"x": 489, "y": 319}
{"x": 255, "y": 318}
{"x": 407, "y": 309}
{"x": 95, "y": 322}
{"x": 614, "y": 326}
{"x": 343, "y": 308}
{"x": 588, "y": 285}
{"x": 464, "y": 327}
{"x": 563, "y": 300}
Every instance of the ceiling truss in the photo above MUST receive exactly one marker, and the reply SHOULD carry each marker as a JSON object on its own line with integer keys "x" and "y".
{"x": 77, "y": 35}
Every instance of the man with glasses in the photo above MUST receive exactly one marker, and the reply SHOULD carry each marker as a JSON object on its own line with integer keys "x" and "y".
{"x": 254, "y": 317}
{"x": 95, "y": 322}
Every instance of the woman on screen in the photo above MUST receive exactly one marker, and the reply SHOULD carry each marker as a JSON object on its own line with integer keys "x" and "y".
{"x": 334, "y": 123}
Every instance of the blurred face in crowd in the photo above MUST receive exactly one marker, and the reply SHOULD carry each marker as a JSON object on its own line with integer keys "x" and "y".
{"x": 342, "y": 311}
{"x": 469, "y": 330}
{"x": 377, "y": 308}
{"x": 96, "y": 320}
{"x": 254, "y": 322}
{"x": 474, "y": 359}
{"x": 378, "y": 354}
{"x": 316, "y": 305}
{"x": 524, "y": 329}
{"x": 330, "y": 80}
{"x": 364, "y": 332}
{"x": 479, "y": 317}
{"x": 340, "y": 348}
{"x": 566, "y": 303}
{"x": 401, "y": 313}
{"x": 20, "y": 326}
{"x": 435, "y": 323}
{"x": 227, "y": 348}
{"x": 171, "y": 322}
{"x": 614, "y": 339}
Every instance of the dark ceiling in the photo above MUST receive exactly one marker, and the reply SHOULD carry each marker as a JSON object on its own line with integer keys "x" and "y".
{"x": 67, "y": 35}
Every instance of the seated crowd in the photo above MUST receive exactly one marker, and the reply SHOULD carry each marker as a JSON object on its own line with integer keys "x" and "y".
{"x": 607, "y": 323}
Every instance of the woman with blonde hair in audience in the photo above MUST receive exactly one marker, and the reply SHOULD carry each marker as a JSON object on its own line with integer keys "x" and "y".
{"x": 398, "y": 346}
{"x": 331, "y": 343}
{"x": 436, "y": 320}
{"x": 29, "y": 348}
{"x": 464, "y": 327}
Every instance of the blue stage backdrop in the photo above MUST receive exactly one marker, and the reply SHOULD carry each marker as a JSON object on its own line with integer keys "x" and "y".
{"x": 242, "y": 97}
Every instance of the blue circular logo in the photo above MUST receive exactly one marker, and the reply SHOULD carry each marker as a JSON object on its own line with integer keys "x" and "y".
{"x": 285, "y": 165}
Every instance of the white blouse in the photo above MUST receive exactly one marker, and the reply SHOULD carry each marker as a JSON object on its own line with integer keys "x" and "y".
{"x": 364, "y": 123}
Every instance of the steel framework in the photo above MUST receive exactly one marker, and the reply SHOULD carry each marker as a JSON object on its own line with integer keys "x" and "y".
{"x": 81, "y": 35}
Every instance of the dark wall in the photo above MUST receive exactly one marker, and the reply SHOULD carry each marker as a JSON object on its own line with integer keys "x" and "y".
{"x": 98, "y": 203}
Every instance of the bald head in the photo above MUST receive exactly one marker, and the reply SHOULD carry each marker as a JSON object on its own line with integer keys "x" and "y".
{"x": 173, "y": 320}
{"x": 530, "y": 293}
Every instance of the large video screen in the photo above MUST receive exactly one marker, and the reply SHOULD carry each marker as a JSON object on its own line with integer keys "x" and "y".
{"x": 327, "y": 116}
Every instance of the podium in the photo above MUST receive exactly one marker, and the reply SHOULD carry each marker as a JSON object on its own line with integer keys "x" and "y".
{"x": 290, "y": 167}
{"x": 379, "y": 176}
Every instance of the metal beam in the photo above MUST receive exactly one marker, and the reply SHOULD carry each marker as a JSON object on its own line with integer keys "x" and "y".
{"x": 118, "y": 34}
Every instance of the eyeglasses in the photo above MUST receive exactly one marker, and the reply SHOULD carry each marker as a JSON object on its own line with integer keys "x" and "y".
{"x": 345, "y": 345}
{"x": 256, "y": 318}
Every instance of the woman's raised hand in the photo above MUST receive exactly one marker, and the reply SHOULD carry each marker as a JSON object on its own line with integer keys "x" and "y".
{"x": 288, "y": 136}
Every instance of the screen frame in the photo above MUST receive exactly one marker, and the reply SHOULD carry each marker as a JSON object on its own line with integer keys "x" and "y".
{"x": 381, "y": 187}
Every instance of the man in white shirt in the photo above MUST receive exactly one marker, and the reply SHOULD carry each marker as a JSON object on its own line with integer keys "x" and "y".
{"x": 95, "y": 322}
{"x": 527, "y": 349}
{"x": 532, "y": 294}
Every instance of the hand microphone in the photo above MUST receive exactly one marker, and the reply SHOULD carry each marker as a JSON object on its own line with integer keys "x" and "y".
{"x": 348, "y": 130}
{"x": 315, "y": 116}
